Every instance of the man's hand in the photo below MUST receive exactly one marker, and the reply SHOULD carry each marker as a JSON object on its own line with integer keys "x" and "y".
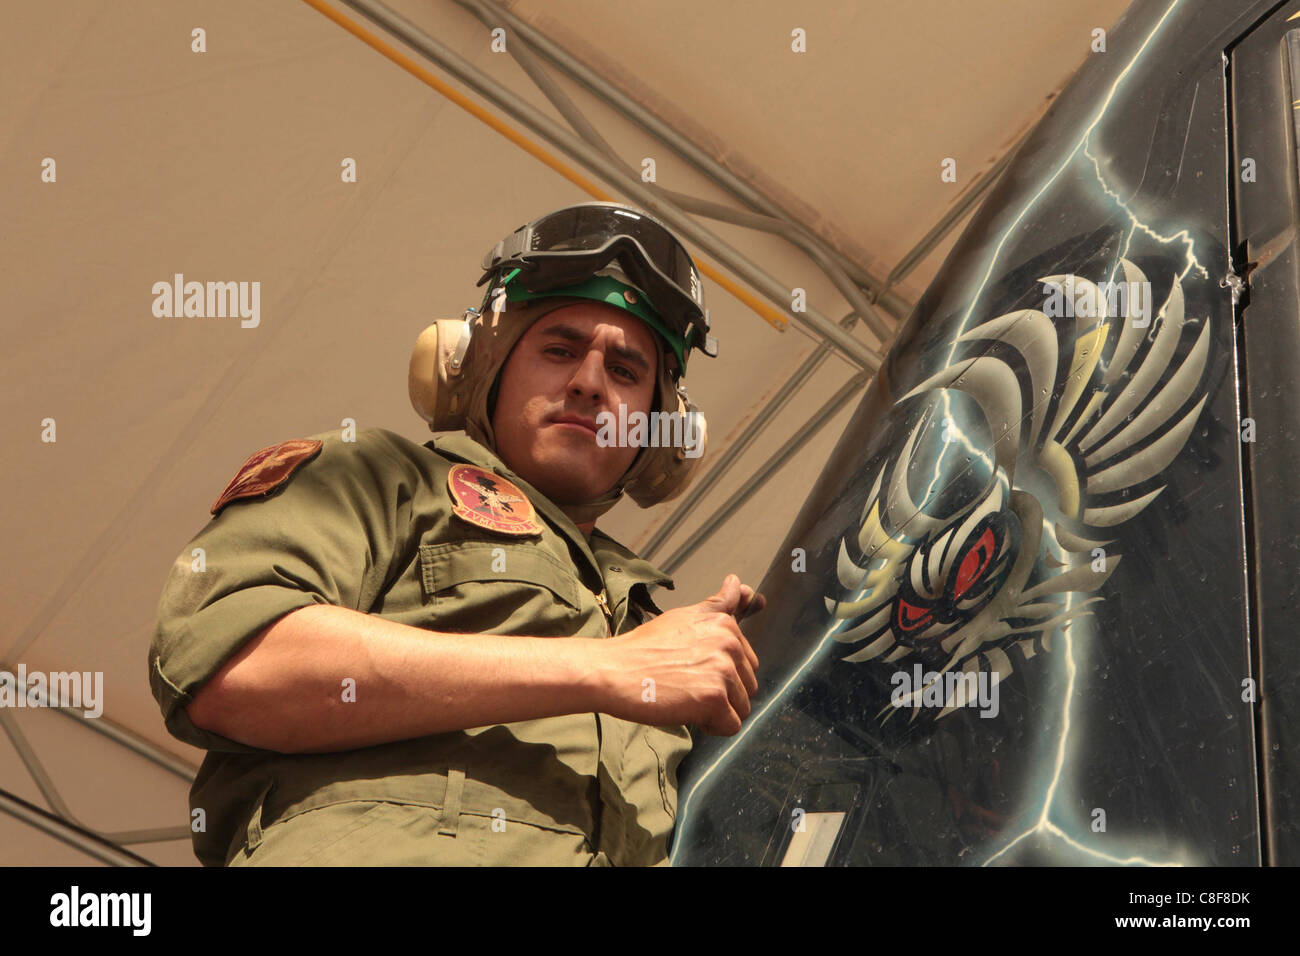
{"x": 751, "y": 602}
{"x": 690, "y": 665}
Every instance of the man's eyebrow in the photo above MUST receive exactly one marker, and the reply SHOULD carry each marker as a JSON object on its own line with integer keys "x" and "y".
{"x": 571, "y": 334}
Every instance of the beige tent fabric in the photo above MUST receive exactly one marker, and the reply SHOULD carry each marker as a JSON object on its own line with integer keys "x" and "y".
{"x": 227, "y": 166}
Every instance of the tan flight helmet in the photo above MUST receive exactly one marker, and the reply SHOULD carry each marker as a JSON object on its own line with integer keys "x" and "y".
{"x": 456, "y": 363}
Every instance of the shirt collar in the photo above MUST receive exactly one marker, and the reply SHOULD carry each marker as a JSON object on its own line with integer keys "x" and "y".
{"x": 615, "y": 557}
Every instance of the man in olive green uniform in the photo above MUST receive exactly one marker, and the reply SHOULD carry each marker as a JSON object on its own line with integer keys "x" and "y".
{"x": 385, "y": 647}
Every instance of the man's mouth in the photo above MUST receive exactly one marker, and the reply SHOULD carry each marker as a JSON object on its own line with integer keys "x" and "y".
{"x": 576, "y": 421}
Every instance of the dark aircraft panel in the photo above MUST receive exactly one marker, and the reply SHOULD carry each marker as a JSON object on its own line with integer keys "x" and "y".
{"x": 1010, "y": 624}
{"x": 1265, "y": 86}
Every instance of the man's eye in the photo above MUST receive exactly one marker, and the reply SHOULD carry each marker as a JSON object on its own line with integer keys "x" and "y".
{"x": 559, "y": 350}
{"x": 629, "y": 375}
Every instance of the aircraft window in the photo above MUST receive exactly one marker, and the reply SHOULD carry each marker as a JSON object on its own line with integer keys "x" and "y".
{"x": 812, "y": 845}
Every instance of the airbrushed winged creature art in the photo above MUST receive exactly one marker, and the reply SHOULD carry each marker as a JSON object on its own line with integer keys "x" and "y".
{"x": 979, "y": 577}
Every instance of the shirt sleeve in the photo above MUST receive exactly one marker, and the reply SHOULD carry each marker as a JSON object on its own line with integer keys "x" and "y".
{"x": 329, "y": 534}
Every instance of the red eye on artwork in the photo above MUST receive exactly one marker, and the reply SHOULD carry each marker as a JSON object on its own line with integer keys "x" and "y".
{"x": 910, "y": 617}
{"x": 975, "y": 563}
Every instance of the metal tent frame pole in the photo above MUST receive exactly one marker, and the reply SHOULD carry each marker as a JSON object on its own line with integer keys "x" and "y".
{"x": 853, "y": 349}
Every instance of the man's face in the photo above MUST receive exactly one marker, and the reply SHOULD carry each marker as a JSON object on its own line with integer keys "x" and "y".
{"x": 571, "y": 365}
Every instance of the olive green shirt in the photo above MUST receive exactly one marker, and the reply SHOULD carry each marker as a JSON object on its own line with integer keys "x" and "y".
{"x": 369, "y": 525}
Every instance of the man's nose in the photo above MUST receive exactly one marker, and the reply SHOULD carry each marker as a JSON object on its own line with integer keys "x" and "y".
{"x": 589, "y": 377}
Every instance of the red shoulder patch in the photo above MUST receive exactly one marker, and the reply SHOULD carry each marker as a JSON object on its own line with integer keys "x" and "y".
{"x": 268, "y": 469}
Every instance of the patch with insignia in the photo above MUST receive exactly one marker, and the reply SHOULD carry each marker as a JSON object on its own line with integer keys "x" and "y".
{"x": 268, "y": 469}
{"x": 486, "y": 499}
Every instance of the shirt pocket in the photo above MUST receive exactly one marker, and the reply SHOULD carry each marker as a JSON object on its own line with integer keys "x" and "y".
{"x": 639, "y": 608}
{"x": 670, "y": 745}
{"x": 498, "y": 587}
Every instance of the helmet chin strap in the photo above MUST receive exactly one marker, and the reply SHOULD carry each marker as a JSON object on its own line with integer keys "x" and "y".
{"x": 591, "y": 510}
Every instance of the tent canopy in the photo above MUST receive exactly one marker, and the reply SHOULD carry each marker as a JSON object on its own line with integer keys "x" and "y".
{"x": 128, "y": 156}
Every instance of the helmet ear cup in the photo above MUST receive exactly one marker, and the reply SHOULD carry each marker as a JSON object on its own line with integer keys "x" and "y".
{"x": 438, "y": 388}
{"x": 454, "y": 361}
{"x": 668, "y": 471}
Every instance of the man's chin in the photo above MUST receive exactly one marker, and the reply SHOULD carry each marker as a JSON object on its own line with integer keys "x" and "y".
{"x": 574, "y": 478}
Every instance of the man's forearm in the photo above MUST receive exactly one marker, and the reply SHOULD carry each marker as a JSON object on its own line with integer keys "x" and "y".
{"x": 285, "y": 689}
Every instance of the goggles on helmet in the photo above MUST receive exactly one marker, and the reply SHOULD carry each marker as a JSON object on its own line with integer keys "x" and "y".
{"x": 570, "y": 245}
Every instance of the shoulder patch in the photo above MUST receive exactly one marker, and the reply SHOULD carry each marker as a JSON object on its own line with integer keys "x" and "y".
{"x": 484, "y": 498}
{"x": 268, "y": 469}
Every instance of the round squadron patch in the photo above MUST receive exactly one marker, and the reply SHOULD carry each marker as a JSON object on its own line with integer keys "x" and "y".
{"x": 486, "y": 499}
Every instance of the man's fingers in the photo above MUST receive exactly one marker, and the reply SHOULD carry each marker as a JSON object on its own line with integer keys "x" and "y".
{"x": 728, "y": 729}
{"x": 751, "y": 603}
{"x": 736, "y": 599}
{"x": 739, "y": 696}
{"x": 746, "y": 598}
{"x": 745, "y": 646}
{"x": 728, "y": 595}
{"x": 733, "y": 601}
{"x": 746, "y": 671}
{"x": 746, "y": 661}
